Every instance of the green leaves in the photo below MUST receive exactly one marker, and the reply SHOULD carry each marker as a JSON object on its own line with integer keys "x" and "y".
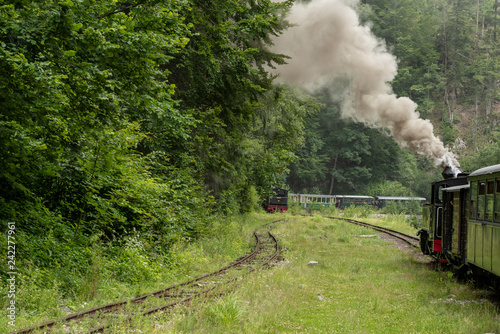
{"x": 71, "y": 87}
{"x": 90, "y": 126}
{"x": 69, "y": 53}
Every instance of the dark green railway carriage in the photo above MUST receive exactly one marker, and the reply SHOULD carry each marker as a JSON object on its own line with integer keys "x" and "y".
{"x": 483, "y": 226}
{"x": 339, "y": 201}
{"x": 345, "y": 201}
{"x": 461, "y": 224}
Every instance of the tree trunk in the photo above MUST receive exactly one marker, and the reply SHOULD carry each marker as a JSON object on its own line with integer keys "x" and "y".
{"x": 446, "y": 55}
{"x": 333, "y": 177}
{"x": 477, "y": 18}
{"x": 449, "y": 105}
{"x": 476, "y": 103}
{"x": 482, "y": 31}
{"x": 495, "y": 26}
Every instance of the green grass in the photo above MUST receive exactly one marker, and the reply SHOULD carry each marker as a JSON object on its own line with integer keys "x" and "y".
{"x": 38, "y": 301}
{"x": 360, "y": 285}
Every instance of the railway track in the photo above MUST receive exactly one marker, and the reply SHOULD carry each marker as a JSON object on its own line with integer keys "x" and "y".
{"x": 105, "y": 317}
{"x": 409, "y": 239}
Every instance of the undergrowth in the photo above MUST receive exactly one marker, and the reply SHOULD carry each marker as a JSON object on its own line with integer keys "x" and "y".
{"x": 359, "y": 284}
{"x": 92, "y": 272}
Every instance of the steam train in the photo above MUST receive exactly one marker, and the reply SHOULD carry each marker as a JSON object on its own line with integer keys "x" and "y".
{"x": 314, "y": 201}
{"x": 461, "y": 224}
{"x": 279, "y": 201}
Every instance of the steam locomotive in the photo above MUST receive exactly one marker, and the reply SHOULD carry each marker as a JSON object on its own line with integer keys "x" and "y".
{"x": 461, "y": 224}
{"x": 279, "y": 201}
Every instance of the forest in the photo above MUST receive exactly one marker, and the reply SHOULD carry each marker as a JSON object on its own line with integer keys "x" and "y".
{"x": 151, "y": 118}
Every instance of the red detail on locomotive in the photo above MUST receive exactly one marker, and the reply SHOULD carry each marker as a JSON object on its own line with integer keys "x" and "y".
{"x": 276, "y": 208}
{"x": 437, "y": 246}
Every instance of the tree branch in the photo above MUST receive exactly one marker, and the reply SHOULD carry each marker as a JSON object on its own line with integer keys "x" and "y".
{"x": 126, "y": 10}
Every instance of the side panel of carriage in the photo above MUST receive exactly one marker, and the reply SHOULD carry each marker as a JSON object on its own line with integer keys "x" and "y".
{"x": 455, "y": 209}
{"x": 438, "y": 226}
{"x": 345, "y": 201}
{"x": 483, "y": 247}
{"x": 382, "y": 201}
{"x": 312, "y": 201}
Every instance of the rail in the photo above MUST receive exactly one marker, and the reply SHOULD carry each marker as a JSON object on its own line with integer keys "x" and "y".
{"x": 265, "y": 251}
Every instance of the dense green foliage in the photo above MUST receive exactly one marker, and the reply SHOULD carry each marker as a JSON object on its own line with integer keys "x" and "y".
{"x": 126, "y": 127}
{"x": 342, "y": 157}
{"x": 448, "y": 63}
{"x": 136, "y": 119}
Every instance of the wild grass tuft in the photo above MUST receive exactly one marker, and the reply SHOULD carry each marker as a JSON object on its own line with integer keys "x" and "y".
{"x": 359, "y": 285}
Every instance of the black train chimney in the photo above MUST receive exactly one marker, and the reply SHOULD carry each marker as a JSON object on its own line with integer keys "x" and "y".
{"x": 450, "y": 173}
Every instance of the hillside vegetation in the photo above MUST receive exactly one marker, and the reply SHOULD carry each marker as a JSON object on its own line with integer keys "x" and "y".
{"x": 128, "y": 128}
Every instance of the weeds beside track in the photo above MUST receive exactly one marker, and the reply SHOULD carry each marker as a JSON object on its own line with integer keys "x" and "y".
{"x": 99, "y": 319}
{"x": 409, "y": 239}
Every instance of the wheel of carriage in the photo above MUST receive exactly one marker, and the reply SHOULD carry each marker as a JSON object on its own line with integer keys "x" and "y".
{"x": 424, "y": 238}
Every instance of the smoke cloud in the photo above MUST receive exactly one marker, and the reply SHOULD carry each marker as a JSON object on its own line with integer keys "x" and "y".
{"x": 328, "y": 43}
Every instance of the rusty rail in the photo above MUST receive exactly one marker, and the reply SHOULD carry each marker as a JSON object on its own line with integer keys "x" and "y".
{"x": 409, "y": 239}
{"x": 163, "y": 293}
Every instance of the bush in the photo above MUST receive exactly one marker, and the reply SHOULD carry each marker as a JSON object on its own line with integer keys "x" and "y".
{"x": 410, "y": 208}
{"x": 361, "y": 211}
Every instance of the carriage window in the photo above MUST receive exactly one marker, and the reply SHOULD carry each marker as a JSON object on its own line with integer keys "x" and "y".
{"x": 481, "y": 192}
{"x": 456, "y": 202}
{"x": 473, "y": 200}
{"x": 497, "y": 201}
{"x": 489, "y": 200}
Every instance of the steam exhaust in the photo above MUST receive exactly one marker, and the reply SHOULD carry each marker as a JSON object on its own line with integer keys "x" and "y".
{"x": 451, "y": 172}
{"x": 329, "y": 45}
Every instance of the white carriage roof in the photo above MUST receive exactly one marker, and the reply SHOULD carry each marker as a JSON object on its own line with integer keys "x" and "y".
{"x": 394, "y": 198}
{"x": 312, "y": 195}
{"x": 486, "y": 170}
{"x": 335, "y": 196}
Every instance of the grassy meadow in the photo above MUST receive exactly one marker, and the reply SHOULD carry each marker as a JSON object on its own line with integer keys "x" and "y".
{"x": 360, "y": 285}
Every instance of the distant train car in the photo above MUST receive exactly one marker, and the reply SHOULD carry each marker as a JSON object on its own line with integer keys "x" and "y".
{"x": 461, "y": 224}
{"x": 345, "y": 201}
{"x": 278, "y": 202}
{"x": 382, "y": 201}
{"x": 313, "y": 201}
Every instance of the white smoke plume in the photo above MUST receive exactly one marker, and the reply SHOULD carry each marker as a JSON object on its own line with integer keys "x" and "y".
{"x": 328, "y": 43}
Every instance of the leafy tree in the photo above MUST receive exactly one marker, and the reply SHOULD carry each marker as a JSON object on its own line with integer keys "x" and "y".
{"x": 81, "y": 85}
{"x": 410, "y": 29}
{"x": 488, "y": 155}
{"x": 340, "y": 156}
{"x": 221, "y": 79}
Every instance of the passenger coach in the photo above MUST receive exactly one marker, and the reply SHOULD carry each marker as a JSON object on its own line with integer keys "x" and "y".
{"x": 483, "y": 228}
{"x": 461, "y": 224}
{"x": 314, "y": 201}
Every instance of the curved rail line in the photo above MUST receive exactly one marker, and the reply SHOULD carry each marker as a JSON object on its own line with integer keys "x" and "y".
{"x": 265, "y": 251}
{"x": 409, "y": 239}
